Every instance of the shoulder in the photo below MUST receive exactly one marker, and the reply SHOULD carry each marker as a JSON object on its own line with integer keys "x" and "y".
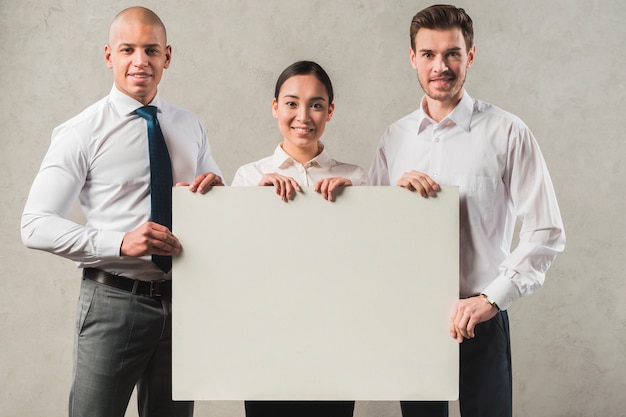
{"x": 174, "y": 112}
{"x": 404, "y": 126}
{"x": 84, "y": 123}
{"x": 251, "y": 173}
{"x": 353, "y": 172}
{"x": 410, "y": 120}
{"x": 490, "y": 111}
{"x": 263, "y": 164}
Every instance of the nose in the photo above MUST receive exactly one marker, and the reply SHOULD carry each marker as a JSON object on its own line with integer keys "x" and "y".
{"x": 440, "y": 64}
{"x": 303, "y": 113}
{"x": 140, "y": 58}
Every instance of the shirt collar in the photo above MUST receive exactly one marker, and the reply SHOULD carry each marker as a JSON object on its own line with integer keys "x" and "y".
{"x": 127, "y": 105}
{"x": 460, "y": 116}
{"x": 281, "y": 159}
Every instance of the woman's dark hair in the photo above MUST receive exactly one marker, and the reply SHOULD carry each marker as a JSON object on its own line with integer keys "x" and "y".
{"x": 305, "y": 68}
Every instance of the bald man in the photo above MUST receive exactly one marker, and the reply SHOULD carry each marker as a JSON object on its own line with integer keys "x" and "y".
{"x": 101, "y": 156}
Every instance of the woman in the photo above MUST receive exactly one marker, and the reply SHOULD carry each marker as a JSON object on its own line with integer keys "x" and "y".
{"x": 302, "y": 104}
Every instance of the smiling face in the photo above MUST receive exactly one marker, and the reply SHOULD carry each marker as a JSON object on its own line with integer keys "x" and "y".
{"x": 441, "y": 60}
{"x": 137, "y": 53}
{"x": 302, "y": 109}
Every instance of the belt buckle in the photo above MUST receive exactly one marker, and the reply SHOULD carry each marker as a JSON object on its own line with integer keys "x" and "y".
{"x": 155, "y": 288}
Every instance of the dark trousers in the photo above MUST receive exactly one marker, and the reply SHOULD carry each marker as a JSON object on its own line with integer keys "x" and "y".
{"x": 299, "y": 408}
{"x": 485, "y": 382}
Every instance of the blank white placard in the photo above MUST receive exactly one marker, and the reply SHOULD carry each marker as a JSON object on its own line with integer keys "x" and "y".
{"x": 313, "y": 300}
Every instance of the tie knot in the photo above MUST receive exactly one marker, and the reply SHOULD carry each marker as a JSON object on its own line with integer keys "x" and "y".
{"x": 147, "y": 112}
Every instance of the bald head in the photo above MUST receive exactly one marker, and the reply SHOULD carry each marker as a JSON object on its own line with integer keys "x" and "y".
{"x": 137, "y": 53}
{"x": 132, "y": 16}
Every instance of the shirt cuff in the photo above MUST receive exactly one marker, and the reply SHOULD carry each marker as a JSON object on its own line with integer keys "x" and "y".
{"x": 503, "y": 291}
{"x": 110, "y": 243}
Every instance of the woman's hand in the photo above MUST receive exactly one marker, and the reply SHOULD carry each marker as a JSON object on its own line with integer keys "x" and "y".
{"x": 328, "y": 186}
{"x": 285, "y": 187}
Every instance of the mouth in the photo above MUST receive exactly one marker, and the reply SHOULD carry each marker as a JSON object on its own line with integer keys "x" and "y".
{"x": 302, "y": 130}
{"x": 441, "y": 81}
{"x": 140, "y": 76}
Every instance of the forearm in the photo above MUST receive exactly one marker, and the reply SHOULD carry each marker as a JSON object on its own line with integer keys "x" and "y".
{"x": 68, "y": 239}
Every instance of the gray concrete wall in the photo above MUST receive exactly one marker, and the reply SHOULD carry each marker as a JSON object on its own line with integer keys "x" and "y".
{"x": 557, "y": 64}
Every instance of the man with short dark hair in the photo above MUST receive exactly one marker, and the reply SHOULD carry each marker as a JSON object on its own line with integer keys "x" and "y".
{"x": 494, "y": 159}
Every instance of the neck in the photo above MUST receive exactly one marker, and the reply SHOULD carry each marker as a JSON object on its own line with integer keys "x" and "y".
{"x": 438, "y": 109}
{"x": 302, "y": 154}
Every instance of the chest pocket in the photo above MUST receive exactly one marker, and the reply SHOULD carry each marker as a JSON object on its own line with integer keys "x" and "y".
{"x": 478, "y": 198}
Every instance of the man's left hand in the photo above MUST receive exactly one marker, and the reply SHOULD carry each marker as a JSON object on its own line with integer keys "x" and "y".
{"x": 467, "y": 314}
{"x": 203, "y": 183}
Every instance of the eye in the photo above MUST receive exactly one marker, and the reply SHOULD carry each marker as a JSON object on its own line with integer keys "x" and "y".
{"x": 290, "y": 104}
{"x": 127, "y": 50}
{"x": 317, "y": 106}
{"x": 427, "y": 55}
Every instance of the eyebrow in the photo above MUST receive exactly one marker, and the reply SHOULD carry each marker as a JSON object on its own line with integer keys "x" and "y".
{"x": 152, "y": 45}
{"x": 456, "y": 48}
{"x": 312, "y": 98}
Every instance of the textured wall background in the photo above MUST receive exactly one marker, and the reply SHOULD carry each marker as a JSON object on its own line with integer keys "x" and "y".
{"x": 557, "y": 64}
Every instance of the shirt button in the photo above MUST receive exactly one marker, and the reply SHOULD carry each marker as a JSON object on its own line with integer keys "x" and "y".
{"x": 436, "y": 139}
{"x": 435, "y": 174}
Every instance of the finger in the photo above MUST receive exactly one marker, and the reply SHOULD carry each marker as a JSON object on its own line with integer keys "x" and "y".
{"x": 295, "y": 184}
{"x": 471, "y": 325}
{"x": 278, "y": 189}
{"x": 283, "y": 188}
{"x": 332, "y": 186}
{"x": 429, "y": 185}
{"x": 452, "y": 331}
{"x": 417, "y": 185}
{"x": 167, "y": 246}
{"x": 290, "y": 189}
{"x": 210, "y": 180}
{"x": 193, "y": 187}
{"x": 462, "y": 325}
{"x": 324, "y": 186}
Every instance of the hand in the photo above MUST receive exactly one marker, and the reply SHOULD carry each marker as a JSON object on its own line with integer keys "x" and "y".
{"x": 327, "y": 186}
{"x": 467, "y": 314}
{"x": 420, "y": 182}
{"x": 150, "y": 239}
{"x": 203, "y": 183}
{"x": 285, "y": 187}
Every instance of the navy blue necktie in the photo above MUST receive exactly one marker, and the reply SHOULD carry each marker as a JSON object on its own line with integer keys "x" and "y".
{"x": 160, "y": 179}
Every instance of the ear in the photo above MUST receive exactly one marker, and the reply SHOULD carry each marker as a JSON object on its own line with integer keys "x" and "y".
{"x": 275, "y": 108}
{"x": 331, "y": 111}
{"x": 412, "y": 58}
{"x": 470, "y": 56}
{"x": 107, "y": 56}
{"x": 168, "y": 56}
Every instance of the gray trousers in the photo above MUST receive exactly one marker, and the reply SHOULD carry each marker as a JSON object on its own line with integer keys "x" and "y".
{"x": 122, "y": 340}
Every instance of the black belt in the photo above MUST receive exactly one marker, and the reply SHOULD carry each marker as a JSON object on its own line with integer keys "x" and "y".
{"x": 160, "y": 289}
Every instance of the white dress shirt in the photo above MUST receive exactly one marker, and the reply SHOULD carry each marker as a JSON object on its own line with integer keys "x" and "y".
{"x": 101, "y": 156}
{"x": 493, "y": 158}
{"x": 320, "y": 167}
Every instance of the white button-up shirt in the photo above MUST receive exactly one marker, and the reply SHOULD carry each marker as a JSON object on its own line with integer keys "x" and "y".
{"x": 320, "y": 167}
{"x": 493, "y": 158}
{"x": 101, "y": 156}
